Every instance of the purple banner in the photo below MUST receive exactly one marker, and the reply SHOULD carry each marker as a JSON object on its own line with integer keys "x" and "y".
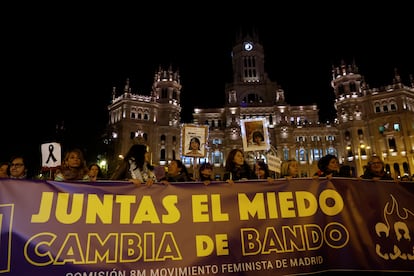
{"x": 250, "y": 228}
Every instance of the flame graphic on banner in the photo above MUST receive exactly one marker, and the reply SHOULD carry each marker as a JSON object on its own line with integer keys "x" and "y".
{"x": 396, "y": 233}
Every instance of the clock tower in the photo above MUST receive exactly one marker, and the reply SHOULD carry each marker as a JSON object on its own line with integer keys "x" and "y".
{"x": 251, "y": 85}
{"x": 248, "y": 60}
{"x": 251, "y": 91}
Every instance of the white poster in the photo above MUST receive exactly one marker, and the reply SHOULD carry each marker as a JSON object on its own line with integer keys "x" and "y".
{"x": 274, "y": 163}
{"x": 51, "y": 155}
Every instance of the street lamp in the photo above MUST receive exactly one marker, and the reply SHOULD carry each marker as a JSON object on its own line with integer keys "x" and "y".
{"x": 362, "y": 155}
{"x": 362, "y": 151}
{"x": 349, "y": 155}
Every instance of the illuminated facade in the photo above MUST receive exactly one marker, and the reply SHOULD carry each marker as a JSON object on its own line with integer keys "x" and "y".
{"x": 376, "y": 121}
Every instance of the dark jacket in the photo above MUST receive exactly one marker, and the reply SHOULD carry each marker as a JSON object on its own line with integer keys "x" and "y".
{"x": 182, "y": 177}
{"x": 326, "y": 173}
{"x": 370, "y": 175}
{"x": 239, "y": 173}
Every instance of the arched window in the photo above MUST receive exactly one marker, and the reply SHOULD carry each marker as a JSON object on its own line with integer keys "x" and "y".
{"x": 164, "y": 93}
{"x": 387, "y": 168}
{"x": 316, "y": 154}
{"x": 285, "y": 153}
{"x": 397, "y": 169}
{"x": 217, "y": 157}
{"x": 332, "y": 151}
{"x": 392, "y": 144}
{"x": 360, "y": 133}
{"x": 301, "y": 155}
{"x": 341, "y": 89}
{"x": 347, "y": 135}
{"x": 405, "y": 167}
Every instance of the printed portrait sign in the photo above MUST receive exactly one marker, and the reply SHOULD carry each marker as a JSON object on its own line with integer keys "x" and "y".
{"x": 254, "y": 134}
{"x": 194, "y": 140}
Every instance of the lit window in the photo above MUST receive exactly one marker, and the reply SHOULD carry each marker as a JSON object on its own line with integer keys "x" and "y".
{"x": 397, "y": 127}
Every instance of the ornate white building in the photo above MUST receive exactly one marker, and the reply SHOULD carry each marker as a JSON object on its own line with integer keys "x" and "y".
{"x": 377, "y": 121}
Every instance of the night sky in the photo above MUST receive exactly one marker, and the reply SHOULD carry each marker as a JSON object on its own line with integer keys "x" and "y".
{"x": 61, "y": 66}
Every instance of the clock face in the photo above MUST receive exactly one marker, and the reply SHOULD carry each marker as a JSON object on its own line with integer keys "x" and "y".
{"x": 248, "y": 46}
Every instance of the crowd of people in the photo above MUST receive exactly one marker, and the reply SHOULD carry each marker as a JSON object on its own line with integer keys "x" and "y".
{"x": 136, "y": 168}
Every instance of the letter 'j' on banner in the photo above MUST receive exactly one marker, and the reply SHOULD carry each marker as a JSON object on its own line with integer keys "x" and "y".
{"x": 51, "y": 155}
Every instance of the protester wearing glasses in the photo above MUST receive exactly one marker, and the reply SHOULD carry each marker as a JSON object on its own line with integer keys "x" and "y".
{"x": 376, "y": 170}
{"x": 17, "y": 168}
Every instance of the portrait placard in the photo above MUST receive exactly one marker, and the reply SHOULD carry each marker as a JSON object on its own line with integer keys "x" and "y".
{"x": 255, "y": 135}
{"x": 194, "y": 140}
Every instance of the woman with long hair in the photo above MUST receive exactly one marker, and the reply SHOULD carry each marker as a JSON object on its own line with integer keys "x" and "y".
{"x": 73, "y": 167}
{"x": 135, "y": 168}
{"x": 289, "y": 169}
{"x": 237, "y": 167}
{"x": 177, "y": 172}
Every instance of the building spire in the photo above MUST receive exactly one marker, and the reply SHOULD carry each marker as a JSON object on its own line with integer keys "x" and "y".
{"x": 127, "y": 89}
{"x": 113, "y": 93}
{"x": 397, "y": 79}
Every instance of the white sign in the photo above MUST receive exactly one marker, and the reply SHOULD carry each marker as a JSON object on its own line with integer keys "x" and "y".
{"x": 273, "y": 163}
{"x": 51, "y": 155}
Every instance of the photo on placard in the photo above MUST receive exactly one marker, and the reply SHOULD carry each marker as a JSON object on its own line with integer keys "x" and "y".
{"x": 194, "y": 140}
{"x": 254, "y": 134}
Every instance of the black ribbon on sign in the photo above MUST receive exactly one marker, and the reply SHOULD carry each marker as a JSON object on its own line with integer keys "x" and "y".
{"x": 51, "y": 148}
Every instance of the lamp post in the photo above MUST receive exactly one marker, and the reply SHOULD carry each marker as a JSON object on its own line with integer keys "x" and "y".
{"x": 104, "y": 166}
{"x": 362, "y": 155}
